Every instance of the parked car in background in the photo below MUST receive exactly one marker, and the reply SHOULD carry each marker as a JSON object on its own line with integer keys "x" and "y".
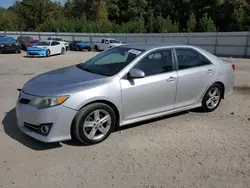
{"x": 120, "y": 86}
{"x": 9, "y": 44}
{"x": 106, "y": 43}
{"x": 31, "y": 43}
{"x": 23, "y": 41}
{"x": 80, "y": 45}
{"x": 46, "y": 48}
{"x": 59, "y": 39}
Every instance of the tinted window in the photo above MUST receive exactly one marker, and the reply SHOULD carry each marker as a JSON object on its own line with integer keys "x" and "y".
{"x": 111, "y": 61}
{"x": 54, "y": 43}
{"x": 188, "y": 58}
{"x": 156, "y": 63}
{"x": 102, "y": 41}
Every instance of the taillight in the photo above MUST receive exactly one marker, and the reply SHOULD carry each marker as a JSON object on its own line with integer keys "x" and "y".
{"x": 233, "y": 66}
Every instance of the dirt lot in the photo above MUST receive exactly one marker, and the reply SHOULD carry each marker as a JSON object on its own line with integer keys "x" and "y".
{"x": 190, "y": 149}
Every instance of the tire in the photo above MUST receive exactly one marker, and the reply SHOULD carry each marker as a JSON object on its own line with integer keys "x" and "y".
{"x": 89, "y": 49}
{"x": 83, "y": 131}
{"x": 62, "y": 51}
{"x": 47, "y": 53}
{"x": 78, "y": 48}
{"x": 212, "y": 98}
{"x": 96, "y": 48}
{"x": 19, "y": 51}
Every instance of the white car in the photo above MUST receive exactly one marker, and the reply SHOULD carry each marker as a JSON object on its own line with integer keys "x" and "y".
{"x": 107, "y": 43}
{"x": 59, "y": 39}
{"x": 46, "y": 48}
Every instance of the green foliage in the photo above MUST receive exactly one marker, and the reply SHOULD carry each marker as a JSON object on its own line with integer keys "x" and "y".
{"x": 164, "y": 16}
{"x": 207, "y": 24}
{"x": 191, "y": 23}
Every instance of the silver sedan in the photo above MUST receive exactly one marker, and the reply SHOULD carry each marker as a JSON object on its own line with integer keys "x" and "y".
{"x": 120, "y": 86}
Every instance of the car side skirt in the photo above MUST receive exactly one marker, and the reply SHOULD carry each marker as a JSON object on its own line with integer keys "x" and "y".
{"x": 161, "y": 114}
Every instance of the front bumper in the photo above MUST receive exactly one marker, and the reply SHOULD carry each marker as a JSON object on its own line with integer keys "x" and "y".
{"x": 37, "y": 53}
{"x": 12, "y": 48}
{"x": 59, "y": 117}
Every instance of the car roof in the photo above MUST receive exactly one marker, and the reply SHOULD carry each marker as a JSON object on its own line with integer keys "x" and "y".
{"x": 151, "y": 46}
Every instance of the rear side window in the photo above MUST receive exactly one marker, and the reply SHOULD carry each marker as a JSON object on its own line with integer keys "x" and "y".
{"x": 54, "y": 43}
{"x": 157, "y": 62}
{"x": 189, "y": 58}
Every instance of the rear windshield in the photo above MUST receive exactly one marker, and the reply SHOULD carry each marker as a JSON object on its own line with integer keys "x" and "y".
{"x": 7, "y": 39}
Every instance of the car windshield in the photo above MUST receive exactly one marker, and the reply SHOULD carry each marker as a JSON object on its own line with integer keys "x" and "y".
{"x": 114, "y": 41}
{"x": 43, "y": 43}
{"x": 110, "y": 62}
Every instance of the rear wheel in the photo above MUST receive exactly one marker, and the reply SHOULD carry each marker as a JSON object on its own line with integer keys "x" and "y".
{"x": 212, "y": 98}
{"x": 47, "y": 53}
{"x": 94, "y": 123}
{"x": 96, "y": 48}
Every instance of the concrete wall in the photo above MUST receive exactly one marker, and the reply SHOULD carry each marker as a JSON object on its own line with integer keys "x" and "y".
{"x": 235, "y": 44}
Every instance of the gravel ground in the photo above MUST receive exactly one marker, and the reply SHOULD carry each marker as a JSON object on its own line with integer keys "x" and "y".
{"x": 189, "y": 149}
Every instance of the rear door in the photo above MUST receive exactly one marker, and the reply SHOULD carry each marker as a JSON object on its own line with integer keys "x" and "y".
{"x": 156, "y": 91}
{"x": 195, "y": 74}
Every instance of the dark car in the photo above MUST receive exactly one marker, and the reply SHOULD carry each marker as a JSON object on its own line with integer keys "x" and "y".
{"x": 23, "y": 40}
{"x": 9, "y": 44}
{"x": 31, "y": 43}
{"x": 80, "y": 45}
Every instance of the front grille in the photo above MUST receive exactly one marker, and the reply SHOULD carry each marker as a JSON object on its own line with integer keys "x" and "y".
{"x": 24, "y": 101}
{"x": 33, "y": 53}
{"x": 32, "y": 127}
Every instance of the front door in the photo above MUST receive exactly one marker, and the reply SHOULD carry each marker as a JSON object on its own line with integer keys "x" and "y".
{"x": 195, "y": 75}
{"x": 155, "y": 92}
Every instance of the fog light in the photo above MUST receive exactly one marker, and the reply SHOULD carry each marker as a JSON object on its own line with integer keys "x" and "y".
{"x": 45, "y": 129}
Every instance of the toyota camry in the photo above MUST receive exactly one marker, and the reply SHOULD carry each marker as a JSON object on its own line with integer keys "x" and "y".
{"x": 120, "y": 86}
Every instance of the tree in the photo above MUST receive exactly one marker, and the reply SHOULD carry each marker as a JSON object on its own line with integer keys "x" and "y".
{"x": 151, "y": 22}
{"x": 191, "y": 24}
{"x": 211, "y": 25}
{"x": 239, "y": 17}
{"x": 207, "y": 24}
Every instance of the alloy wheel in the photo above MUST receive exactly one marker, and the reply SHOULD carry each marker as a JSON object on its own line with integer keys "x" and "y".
{"x": 97, "y": 124}
{"x": 213, "y": 98}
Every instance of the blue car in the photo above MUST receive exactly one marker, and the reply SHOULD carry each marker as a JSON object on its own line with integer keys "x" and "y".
{"x": 80, "y": 45}
{"x": 9, "y": 44}
{"x": 46, "y": 48}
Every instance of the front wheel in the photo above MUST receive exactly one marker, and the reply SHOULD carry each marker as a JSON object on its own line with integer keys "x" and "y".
{"x": 47, "y": 53}
{"x": 212, "y": 98}
{"x": 62, "y": 51}
{"x": 94, "y": 123}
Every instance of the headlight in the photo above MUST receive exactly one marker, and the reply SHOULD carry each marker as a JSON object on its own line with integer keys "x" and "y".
{"x": 2, "y": 45}
{"x": 17, "y": 44}
{"x": 46, "y": 102}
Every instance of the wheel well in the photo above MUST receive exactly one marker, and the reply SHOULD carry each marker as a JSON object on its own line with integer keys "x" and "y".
{"x": 104, "y": 102}
{"x": 223, "y": 88}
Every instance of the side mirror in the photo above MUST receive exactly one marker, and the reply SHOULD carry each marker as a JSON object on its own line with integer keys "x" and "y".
{"x": 136, "y": 73}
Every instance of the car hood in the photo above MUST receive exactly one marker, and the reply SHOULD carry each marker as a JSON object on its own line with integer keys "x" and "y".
{"x": 36, "y": 48}
{"x": 60, "y": 81}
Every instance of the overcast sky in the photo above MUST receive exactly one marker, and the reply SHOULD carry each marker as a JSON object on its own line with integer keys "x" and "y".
{"x": 7, "y": 3}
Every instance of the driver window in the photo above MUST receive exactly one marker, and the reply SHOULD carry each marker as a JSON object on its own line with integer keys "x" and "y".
{"x": 157, "y": 62}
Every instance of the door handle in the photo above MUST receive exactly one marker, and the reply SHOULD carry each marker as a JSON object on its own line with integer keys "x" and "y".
{"x": 209, "y": 71}
{"x": 171, "y": 79}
